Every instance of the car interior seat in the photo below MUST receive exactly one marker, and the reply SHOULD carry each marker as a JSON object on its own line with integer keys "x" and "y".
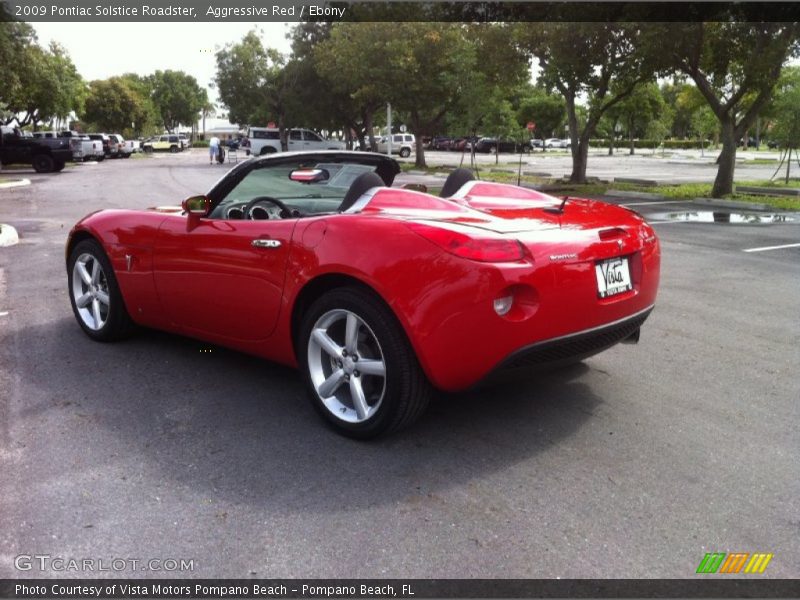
{"x": 362, "y": 183}
{"x": 454, "y": 181}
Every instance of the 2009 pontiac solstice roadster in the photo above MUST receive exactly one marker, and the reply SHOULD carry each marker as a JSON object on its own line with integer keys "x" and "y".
{"x": 377, "y": 294}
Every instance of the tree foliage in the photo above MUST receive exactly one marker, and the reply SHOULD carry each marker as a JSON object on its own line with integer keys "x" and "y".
{"x": 177, "y": 97}
{"x": 602, "y": 62}
{"x": 735, "y": 66}
{"x": 117, "y": 105}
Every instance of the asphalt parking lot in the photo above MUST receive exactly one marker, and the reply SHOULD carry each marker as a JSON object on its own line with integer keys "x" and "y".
{"x": 633, "y": 464}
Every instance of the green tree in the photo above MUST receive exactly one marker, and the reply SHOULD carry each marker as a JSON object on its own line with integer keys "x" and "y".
{"x": 115, "y": 105}
{"x": 547, "y": 111}
{"x": 786, "y": 128}
{"x": 603, "y": 62}
{"x": 177, "y": 97}
{"x": 638, "y": 110}
{"x": 252, "y": 84}
{"x": 735, "y": 66}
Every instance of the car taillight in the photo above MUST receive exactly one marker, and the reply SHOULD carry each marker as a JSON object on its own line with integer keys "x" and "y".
{"x": 482, "y": 249}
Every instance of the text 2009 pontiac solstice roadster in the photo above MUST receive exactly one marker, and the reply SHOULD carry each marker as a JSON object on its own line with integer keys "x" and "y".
{"x": 377, "y": 294}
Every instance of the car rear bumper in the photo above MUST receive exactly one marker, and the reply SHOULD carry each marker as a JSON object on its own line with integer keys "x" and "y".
{"x": 573, "y": 347}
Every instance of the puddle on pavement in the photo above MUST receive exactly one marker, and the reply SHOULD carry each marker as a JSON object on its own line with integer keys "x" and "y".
{"x": 709, "y": 216}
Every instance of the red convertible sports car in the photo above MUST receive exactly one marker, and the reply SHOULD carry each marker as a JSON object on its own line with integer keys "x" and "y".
{"x": 378, "y": 294}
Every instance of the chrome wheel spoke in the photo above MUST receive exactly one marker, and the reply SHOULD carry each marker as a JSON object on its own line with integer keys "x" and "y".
{"x": 98, "y": 321}
{"x": 102, "y": 297}
{"x": 96, "y": 271}
{"x": 351, "y": 333}
{"x": 369, "y": 366}
{"x": 331, "y": 384}
{"x": 321, "y": 337}
{"x": 85, "y": 277}
{"x": 359, "y": 401}
{"x": 338, "y": 372}
{"x": 84, "y": 300}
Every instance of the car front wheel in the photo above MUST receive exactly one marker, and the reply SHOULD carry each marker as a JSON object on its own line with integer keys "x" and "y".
{"x": 42, "y": 163}
{"x": 360, "y": 370}
{"x": 405, "y": 152}
{"x": 94, "y": 293}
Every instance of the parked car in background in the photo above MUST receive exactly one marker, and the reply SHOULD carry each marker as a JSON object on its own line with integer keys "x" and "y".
{"x": 494, "y": 145}
{"x": 133, "y": 146}
{"x": 537, "y": 143}
{"x": 266, "y": 140}
{"x": 441, "y": 142}
{"x": 109, "y": 150}
{"x": 118, "y": 142}
{"x": 772, "y": 144}
{"x": 557, "y": 143}
{"x": 45, "y": 155}
{"x": 82, "y": 147}
{"x": 163, "y": 143}
{"x": 185, "y": 140}
{"x": 402, "y": 144}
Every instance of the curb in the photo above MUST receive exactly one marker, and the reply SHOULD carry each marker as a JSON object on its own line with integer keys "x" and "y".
{"x": 732, "y": 204}
{"x": 17, "y": 183}
{"x": 629, "y": 194}
{"x": 8, "y": 235}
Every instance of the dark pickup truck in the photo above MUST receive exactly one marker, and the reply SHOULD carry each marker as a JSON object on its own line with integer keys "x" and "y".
{"x": 45, "y": 155}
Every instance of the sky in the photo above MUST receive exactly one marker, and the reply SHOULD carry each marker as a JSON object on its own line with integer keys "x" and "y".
{"x": 102, "y": 50}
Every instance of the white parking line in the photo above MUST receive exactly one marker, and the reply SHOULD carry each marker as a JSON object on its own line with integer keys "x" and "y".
{"x": 657, "y": 202}
{"x": 767, "y": 248}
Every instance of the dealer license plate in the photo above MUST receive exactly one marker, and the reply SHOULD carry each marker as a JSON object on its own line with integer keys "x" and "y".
{"x": 613, "y": 277}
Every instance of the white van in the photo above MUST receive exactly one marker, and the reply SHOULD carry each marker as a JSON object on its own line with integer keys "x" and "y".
{"x": 266, "y": 140}
{"x": 402, "y": 144}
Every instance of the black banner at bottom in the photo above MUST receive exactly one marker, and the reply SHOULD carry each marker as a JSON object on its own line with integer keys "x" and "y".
{"x": 701, "y": 587}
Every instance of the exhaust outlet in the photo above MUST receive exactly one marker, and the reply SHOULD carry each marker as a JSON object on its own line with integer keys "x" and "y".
{"x": 633, "y": 338}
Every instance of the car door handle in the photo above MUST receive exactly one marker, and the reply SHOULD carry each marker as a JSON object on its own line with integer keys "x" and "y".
{"x": 265, "y": 243}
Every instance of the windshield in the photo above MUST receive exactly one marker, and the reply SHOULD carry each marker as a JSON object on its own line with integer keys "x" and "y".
{"x": 272, "y": 181}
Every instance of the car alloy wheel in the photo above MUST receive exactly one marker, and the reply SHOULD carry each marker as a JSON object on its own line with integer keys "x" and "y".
{"x": 346, "y": 366}
{"x": 361, "y": 372}
{"x": 405, "y": 152}
{"x": 90, "y": 291}
{"x": 94, "y": 293}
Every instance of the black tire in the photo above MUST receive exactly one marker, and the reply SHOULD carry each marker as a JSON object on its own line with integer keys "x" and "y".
{"x": 148, "y": 149}
{"x": 43, "y": 163}
{"x": 59, "y": 166}
{"x": 173, "y": 149}
{"x": 267, "y": 150}
{"x": 405, "y": 152}
{"x": 101, "y": 158}
{"x": 126, "y": 155}
{"x": 407, "y": 391}
{"x": 118, "y": 324}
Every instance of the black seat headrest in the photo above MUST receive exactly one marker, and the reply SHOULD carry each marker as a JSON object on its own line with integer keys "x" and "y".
{"x": 454, "y": 181}
{"x": 362, "y": 183}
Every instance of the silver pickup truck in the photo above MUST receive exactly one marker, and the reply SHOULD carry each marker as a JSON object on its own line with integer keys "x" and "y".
{"x": 82, "y": 147}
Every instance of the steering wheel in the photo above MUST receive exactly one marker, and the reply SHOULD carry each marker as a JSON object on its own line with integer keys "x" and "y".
{"x": 284, "y": 210}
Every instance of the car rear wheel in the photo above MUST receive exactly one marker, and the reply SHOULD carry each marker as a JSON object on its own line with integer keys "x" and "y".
{"x": 359, "y": 368}
{"x": 59, "y": 165}
{"x": 405, "y": 152}
{"x": 94, "y": 294}
{"x": 42, "y": 163}
{"x": 148, "y": 149}
{"x": 173, "y": 149}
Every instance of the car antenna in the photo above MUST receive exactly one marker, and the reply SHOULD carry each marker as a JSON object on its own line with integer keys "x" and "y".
{"x": 560, "y": 209}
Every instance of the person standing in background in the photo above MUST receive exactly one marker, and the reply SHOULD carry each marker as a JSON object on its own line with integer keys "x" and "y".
{"x": 213, "y": 149}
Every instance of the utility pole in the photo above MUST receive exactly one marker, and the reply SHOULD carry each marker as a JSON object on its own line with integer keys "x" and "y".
{"x": 389, "y": 128}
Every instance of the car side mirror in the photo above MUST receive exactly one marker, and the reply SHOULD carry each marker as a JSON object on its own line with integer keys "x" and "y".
{"x": 196, "y": 206}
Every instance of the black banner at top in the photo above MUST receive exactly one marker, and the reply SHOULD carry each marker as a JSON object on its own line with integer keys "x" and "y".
{"x": 408, "y": 589}
{"x": 386, "y": 11}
